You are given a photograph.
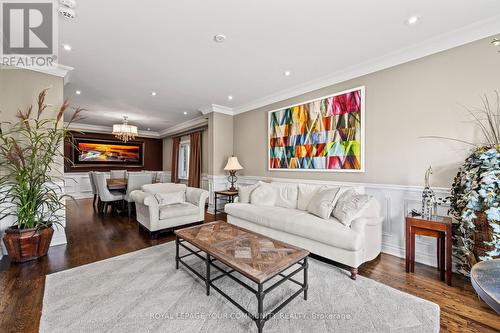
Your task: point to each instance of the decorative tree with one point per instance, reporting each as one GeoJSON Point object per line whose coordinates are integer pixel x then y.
{"type": "Point", "coordinates": [475, 195]}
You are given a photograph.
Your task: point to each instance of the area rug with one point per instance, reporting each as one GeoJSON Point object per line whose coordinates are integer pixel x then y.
{"type": "Point", "coordinates": [143, 292]}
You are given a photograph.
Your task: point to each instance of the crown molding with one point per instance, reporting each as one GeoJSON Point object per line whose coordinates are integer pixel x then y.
{"type": "Point", "coordinates": [55, 70]}
{"type": "Point", "coordinates": [217, 108]}
{"type": "Point", "coordinates": [108, 130]}
{"type": "Point", "coordinates": [187, 125]}
{"type": "Point", "coordinates": [467, 34]}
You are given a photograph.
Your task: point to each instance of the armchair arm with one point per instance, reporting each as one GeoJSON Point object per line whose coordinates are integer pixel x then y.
{"type": "Point", "coordinates": [147, 208]}
{"type": "Point", "coordinates": [197, 197]}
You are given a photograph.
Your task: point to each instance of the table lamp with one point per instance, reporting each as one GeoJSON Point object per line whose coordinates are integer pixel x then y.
{"type": "Point", "coordinates": [232, 166]}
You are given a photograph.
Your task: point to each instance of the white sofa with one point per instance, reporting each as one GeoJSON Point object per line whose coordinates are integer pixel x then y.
{"type": "Point", "coordinates": [157, 218]}
{"type": "Point", "coordinates": [331, 239]}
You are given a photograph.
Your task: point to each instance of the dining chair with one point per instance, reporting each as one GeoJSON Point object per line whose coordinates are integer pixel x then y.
{"type": "Point", "coordinates": [164, 178]}
{"type": "Point", "coordinates": [105, 195]}
{"type": "Point", "coordinates": [118, 174]}
{"type": "Point", "coordinates": [152, 174]}
{"type": "Point", "coordinates": [94, 188]}
{"type": "Point", "coordinates": [135, 182]}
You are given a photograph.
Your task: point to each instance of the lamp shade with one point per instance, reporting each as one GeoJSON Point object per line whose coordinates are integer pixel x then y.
{"type": "Point", "coordinates": [233, 164]}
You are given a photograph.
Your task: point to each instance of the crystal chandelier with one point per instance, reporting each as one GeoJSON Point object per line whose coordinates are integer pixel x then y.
{"type": "Point", "coordinates": [124, 131]}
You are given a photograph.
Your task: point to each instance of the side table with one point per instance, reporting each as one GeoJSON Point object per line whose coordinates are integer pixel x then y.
{"type": "Point", "coordinates": [438, 227]}
{"type": "Point", "coordinates": [227, 196]}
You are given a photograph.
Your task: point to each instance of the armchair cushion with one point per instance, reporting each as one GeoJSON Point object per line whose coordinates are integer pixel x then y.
{"type": "Point", "coordinates": [176, 210]}
{"type": "Point", "coordinates": [170, 198]}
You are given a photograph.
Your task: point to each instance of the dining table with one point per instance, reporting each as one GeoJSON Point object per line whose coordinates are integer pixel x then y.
{"type": "Point", "coordinates": [117, 184]}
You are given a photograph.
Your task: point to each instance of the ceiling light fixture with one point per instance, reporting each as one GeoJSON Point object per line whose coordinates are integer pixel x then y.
{"type": "Point", "coordinates": [230, 97]}
{"type": "Point", "coordinates": [67, 47]}
{"type": "Point", "coordinates": [412, 20]}
{"type": "Point", "coordinates": [124, 131]}
{"type": "Point", "coordinates": [495, 42]}
{"type": "Point", "coordinates": [287, 73]}
{"type": "Point", "coordinates": [78, 92]}
{"type": "Point", "coordinates": [185, 113]}
{"type": "Point", "coordinates": [153, 93]}
{"type": "Point", "coordinates": [219, 38]}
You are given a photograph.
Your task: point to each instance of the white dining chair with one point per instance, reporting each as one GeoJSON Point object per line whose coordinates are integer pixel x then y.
{"type": "Point", "coordinates": [135, 182]}
{"type": "Point", "coordinates": [105, 195]}
{"type": "Point", "coordinates": [114, 174]}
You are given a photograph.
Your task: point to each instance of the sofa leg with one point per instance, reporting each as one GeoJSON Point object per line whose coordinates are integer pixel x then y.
{"type": "Point", "coordinates": [354, 272]}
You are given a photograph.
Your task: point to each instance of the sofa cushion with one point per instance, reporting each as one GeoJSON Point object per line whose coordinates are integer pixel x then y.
{"type": "Point", "coordinates": [305, 194]}
{"type": "Point", "coordinates": [176, 210]}
{"type": "Point", "coordinates": [244, 192]}
{"type": "Point", "coordinates": [286, 194]}
{"type": "Point", "coordinates": [321, 203]}
{"type": "Point", "coordinates": [163, 188]}
{"type": "Point", "coordinates": [264, 195]}
{"type": "Point", "coordinates": [300, 223]}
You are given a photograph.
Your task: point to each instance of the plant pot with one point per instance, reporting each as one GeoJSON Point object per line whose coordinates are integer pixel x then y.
{"type": "Point", "coordinates": [27, 244]}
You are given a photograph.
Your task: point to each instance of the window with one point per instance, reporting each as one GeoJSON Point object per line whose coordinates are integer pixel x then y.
{"type": "Point", "coordinates": [184, 160]}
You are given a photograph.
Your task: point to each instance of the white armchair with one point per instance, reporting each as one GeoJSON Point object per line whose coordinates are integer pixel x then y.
{"type": "Point", "coordinates": [156, 218]}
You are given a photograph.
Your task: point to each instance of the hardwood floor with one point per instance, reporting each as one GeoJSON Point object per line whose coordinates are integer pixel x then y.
{"type": "Point", "coordinates": [92, 238]}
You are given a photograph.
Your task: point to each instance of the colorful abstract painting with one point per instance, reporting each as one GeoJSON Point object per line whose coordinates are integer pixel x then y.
{"type": "Point", "coordinates": [321, 135]}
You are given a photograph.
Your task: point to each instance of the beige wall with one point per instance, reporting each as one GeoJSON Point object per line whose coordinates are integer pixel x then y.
{"type": "Point", "coordinates": [167, 153]}
{"type": "Point", "coordinates": [222, 127]}
{"type": "Point", "coordinates": [19, 88]}
{"type": "Point", "coordinates": [421, 98]}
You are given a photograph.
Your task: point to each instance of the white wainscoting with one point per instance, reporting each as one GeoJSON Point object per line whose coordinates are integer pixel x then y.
{"type": "Point", "coordinates": [77, 184]}
{"type": "Point", "coordinates": [59, 237]}
{"type": "Point", "coordinates": [396, 201]}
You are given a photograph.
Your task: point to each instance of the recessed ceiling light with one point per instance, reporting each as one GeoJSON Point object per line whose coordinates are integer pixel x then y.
{"type": "Point", "coordinates": [287, 73]}
{"type": "Point", "coordinates": [230, 97]}
{"type": "Point", "coordinates": [495, 42]}
{"type": "Point", "coordinates": [67, 47]}
{"type": "Point", "coordinates": [153, 93]}
{"type": "Point", "coordinates": [149, 129]}
{"type": "Point", "coordinates": [219, 38]}
{"type": "Point", "coordinates": [412, 20]}
{"type": "Point", "coordinates": [78, 92]}
{"type": "Point", "coordinates": [185, 113]}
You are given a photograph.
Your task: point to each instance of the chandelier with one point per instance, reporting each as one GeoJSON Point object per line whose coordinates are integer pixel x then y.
{"type": "Point", "coordinates": [124, 131]}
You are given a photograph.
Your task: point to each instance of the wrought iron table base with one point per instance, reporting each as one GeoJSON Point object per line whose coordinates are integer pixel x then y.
{"type": "Point", "coordinates": [261, 318]}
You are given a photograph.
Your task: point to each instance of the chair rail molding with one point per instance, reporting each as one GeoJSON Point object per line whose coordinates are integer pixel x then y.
{"type": "Point", "coordinates": [396, 201]}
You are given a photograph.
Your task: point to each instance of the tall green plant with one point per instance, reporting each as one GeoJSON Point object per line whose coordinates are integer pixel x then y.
{"type": "Point", "coordinates": [31, 150]}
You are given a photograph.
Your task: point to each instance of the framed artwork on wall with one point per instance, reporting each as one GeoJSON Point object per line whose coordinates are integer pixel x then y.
{"type": "Point", "coordinates": [324, 134]}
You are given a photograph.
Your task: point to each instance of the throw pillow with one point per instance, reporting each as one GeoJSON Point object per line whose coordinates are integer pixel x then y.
{"type": "Point", "coordinates": [244, 192]}
{"type": "Point", "coordinates": [263, 195]}
{"type": "Point", "coordinates": [321, 203]}
{"type": "Point", "coordinates": [306, 192]}
{"type": "Point", "coordinates": [170, 198]}
{"type": "Point", "coordinates": [349, 206]}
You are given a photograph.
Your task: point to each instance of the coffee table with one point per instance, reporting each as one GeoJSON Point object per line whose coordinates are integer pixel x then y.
{"type": "Point", "coordinates": [257, 257]}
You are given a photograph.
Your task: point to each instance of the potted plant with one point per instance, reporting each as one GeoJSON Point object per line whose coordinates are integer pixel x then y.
{"type": "Point", "coordinates": [30, 151]}
{"type": "Point", "coordinates": [475, 194]}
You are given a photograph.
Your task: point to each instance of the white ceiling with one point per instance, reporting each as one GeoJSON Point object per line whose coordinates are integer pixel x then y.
{"type": "Point", "coordinates": [123, 50]}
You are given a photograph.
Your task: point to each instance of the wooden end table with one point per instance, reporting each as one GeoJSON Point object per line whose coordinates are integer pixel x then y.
{"type": "Point", "coordinates": [438, 227]}
{"type": "Point", "coordinates": [227, 196]}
